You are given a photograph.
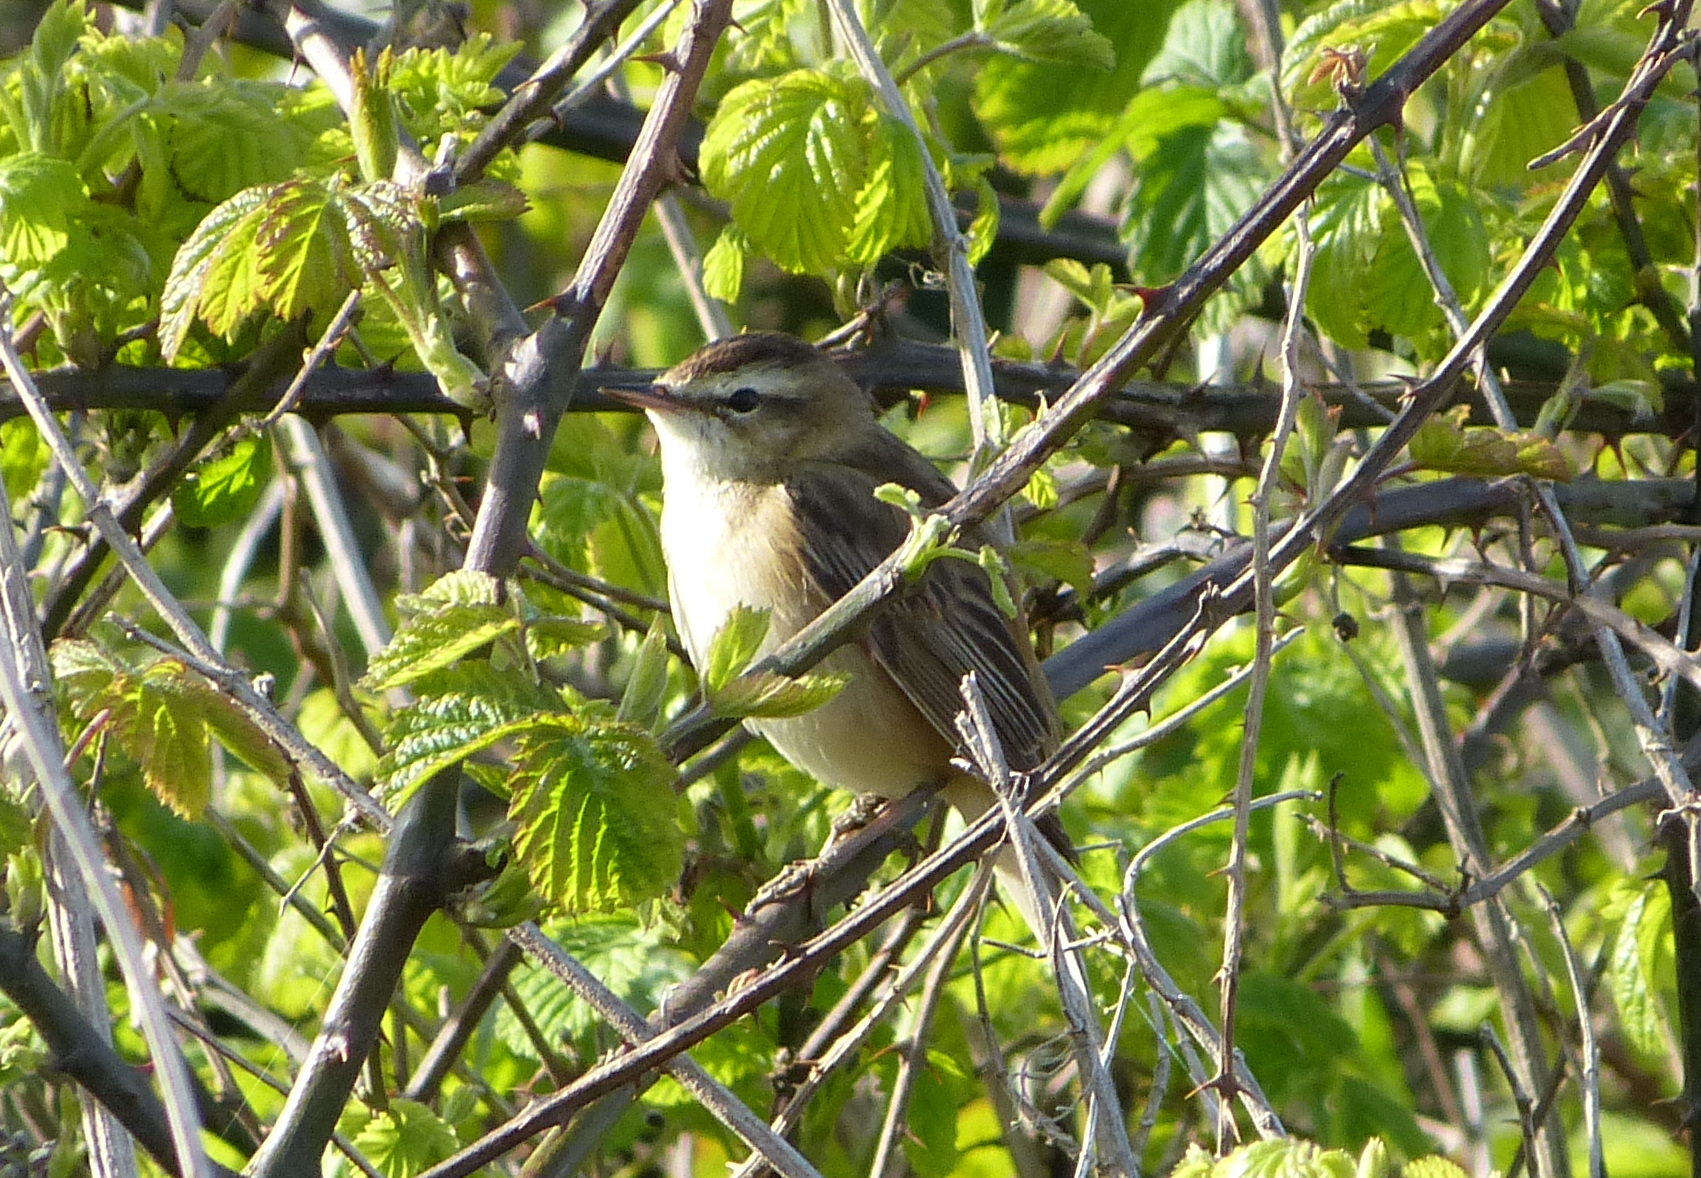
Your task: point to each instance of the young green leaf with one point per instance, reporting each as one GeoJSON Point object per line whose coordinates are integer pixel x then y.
{"type": "Point", "coordinates": [1635, 988]}
{"type": "Point", "coordinates": [641, 702]}
{"type": "Point", "coordinates": [224, 488]}
{"type": "Point", "coordinates": [40, 197]}
{"type": "Point", "coordinates": [305, 256]}
{"type": "Point", "coordinates": [734, 646]}
{"type": "Point", "coordinates": [550, 636]}
{"type": "Point", "coordinates": [372, 117]}
{"type": "Point", "coordinates": [998, 576]}
{"type": "Point", "coordinates": [597, 816]}
{"type": "Point", "coordinates": [891, 208]}
{"type": "Point", "coordinates": [904, 498]}
{"type": "Point", "coordinates": [154, 713]}
{"type": "Point", "coordinates": [1044, 31]}
{"type": "Point", "coordinates": [406, 1138]}
{"type": "Point", "coordinates": [430, 642]}
{"type": "Point", "coordinates": [1444, 443]}
{"type": "Point", "coordinates": [17, 826]}
{"type": "Point", "coordinates": [790, 154]}
{"type": "Point", "coordinates": [457, 713]}
{"type": "Point", "coordinates": [23, 457]}
{"type": "Point", "coordinates": [723, 265]}
{"type": "Point", "coordinates": [190, 283]}
{"type": "Point", "coordinates": [774, 697]}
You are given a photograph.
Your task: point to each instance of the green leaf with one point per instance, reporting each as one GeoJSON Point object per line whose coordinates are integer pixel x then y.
{"type": "Point", "coordinates": [789, 154]}
{"type": "Point", "coordinates": [457, 713]}
{"type": "Point", "coordinates": [1444, 443]}
{"type": "Point", "coordinates": [891, 209]}
{"type": "Point", "coordinates": [305, 255]}
{"type": "Point", "coordinates": [1385, 31]}
{"type": "Point", "coordinates": [372, 117]}
{"type": "Point", "coordinates": [225, 234]}
{"type": "Point", "coordinates": [457, 587]}
{"type": "Point", "coordinates": [770, 696]}
{"type": "Point", "coordinates": [1204, 46]}
{"type": "Point", "coordinates": [41, 81]}
{"type": "Point", "coordinates": [487, 200]}
{"type": "Point", "coordinates": [456, 615]}
{"type": "Point", "coordinates": [226, 488]}
{"type": "Point", "coordinates": [997, 572]}
{"type": "Point", "coordinates": [646, 689]}
{"type": "Point", "coordinates": [1152, 115]}
{"type": "Point", "coordinates": [1042, 118]}
{"type": "Point", "coordinates": [1347, 228]}
{"type": "Point", "coordinates": [1068, 561]}
{"type": "Point", "coordinates": [1525, 117]}
{"type": "Point", "coordinates": [1284, 1158]}
{"type": "Point", "coordinates": [735, 644]}
{"type": "Point", "coordinates": [1432, 1167]}
{"type": "Point", "coordinates": [631, 957]}
{"type": "Point", "coordinates": [40, 197]}
{"type": "Point", "coordinates": [240, 735]}
{"type": "Point", "coordinates": [1634, 990]}
{"type": "Point", "coordinates": [23, 458]}
{"type": "Point", "coordinates": [723, 265]}
{"type": "Point", "coordinates": [551, 635]}
{"type": "Point", "coordinates": [430, 642]}
{"type": "Point", "coordinates": [17, 825]}
{"type": "Point", "coordinates": [405, 1139]}
{"type": "Point", "coordinates": [1188, 192]}
{"type": "Point", "coordinates": [226, 135]}
{"type": "Point", "coordinates": [156, 714]}
{"type": "Point", "coordinates": [444, 90]}
{"type": "Point", "coordinates": [597, 816]}
{"type": "Point", "coordinates": [942, 1088]}
{"type": "Point", "coordinates": [1044, 31]}
{"type": "Point", "coordinates": [905, 499]}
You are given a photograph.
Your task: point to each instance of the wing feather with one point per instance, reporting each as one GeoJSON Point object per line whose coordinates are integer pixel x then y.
{"type": "Point", "coordinates": [945, 626]}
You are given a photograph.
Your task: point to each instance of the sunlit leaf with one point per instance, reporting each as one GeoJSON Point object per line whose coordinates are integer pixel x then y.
{"type": "Point", "coordinates": [596, 814]}
{"type": "Point", "coordinates": [458, 712]}
{"type": "Point", "coordinates": [790, 155]}
{"type": "Point", "coordinates": [771, 696]}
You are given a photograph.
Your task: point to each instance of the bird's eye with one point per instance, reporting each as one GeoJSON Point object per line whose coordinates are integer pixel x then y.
{"type": "Point", "coordinates": [743, 400]}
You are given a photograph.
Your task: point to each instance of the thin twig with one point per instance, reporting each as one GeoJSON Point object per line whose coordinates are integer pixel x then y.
{"type": "Point", "coordinates": [32, 717]}
{"type": "Point", "coordinates": [968, 321]}
{"type": "Point", "coordinates": [912, 1055]}
{"type": "Point", "coordinates": [1591, 1072]}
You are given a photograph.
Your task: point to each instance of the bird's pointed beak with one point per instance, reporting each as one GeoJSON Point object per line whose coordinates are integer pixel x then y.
{"type": "Point", "coordinates": [645, 395]}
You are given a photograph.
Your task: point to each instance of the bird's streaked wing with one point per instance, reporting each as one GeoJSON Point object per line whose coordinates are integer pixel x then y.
{"type": "Point", "coordinates": [942, 628]}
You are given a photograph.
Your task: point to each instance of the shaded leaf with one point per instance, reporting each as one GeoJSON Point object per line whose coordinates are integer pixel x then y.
{"type": "Point", "coordinates": [405, 1139]}
{"type": "Point", "coordinates": [1445, 443]}
{"type": "Point", "coordinates": [225, 488]}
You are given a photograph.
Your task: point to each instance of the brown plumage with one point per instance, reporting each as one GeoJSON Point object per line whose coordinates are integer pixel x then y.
{"type": "Point", "coordinates": [771, 456]}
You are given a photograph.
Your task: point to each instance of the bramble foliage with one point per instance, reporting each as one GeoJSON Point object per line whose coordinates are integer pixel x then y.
{"type": "Point", "coordinates": [170, 214]}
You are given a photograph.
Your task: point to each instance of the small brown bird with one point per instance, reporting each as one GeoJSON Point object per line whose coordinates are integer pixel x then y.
{"type": "Point", "coordinates": [770, 457]}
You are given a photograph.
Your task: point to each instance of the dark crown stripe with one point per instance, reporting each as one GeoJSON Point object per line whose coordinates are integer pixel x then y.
{"type": "Point", "coordinates": [741, 351]}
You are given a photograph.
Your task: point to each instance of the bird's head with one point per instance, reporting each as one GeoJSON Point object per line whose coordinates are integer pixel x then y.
{"type": "Point", "coordinates": [746, 407]}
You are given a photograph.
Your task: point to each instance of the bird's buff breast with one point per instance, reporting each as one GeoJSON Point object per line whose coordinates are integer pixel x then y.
{"type": "Point", "coordinates": [734, 544]}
